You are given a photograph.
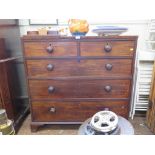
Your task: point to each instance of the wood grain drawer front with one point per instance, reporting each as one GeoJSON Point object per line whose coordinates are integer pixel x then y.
{"type": "Point", "coordinates": [37, 49]}
{"type": "Point", "coordinates": [52, 68]}
{"type": "Point", "coordinates": [65, 68]}
{"type": "Point", "coordinates": [74, 111]}
{"type": "Point", "coordinates": [110, 48]}
{"type": "Point", "coordinates": [80, 88]}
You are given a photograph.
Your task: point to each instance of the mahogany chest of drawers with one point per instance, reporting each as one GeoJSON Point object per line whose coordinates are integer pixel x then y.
{"type": "Point", "coordinates": [71, 79]}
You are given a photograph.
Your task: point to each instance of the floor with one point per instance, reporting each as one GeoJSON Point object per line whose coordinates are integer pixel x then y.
{"type": "Point", "coordinates": [138, 124]}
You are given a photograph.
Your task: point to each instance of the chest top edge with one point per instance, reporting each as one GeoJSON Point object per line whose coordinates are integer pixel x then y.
{"type": "Point", "coordinates": [27, 38]}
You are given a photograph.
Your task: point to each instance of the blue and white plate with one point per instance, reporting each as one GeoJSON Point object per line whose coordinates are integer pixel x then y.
{"type": "Point", "coordinates": [109, 30]}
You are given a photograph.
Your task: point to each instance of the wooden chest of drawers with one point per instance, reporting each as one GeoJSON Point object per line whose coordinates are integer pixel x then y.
{"type": "Point", "coordinates": [71, 79]}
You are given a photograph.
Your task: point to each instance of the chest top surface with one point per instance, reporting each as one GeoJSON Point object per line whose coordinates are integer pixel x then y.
{"type": "Point", "coordinates": [71, 38]}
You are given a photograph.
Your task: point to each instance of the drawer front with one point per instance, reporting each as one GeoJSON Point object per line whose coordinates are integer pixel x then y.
{"type": "Point", "coordinates": [64, 68]}
{"type": "Point", "coordinates": [74, 111]}
{"type": "Point", "coordinates": [111, 48]}
{"type": "Point", "coordinates": [80, 88]}
{"type": "Point", "coordinates": [37, 49]}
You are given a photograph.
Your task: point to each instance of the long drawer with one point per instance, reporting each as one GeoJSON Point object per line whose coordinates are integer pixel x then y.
{"type": "Point", "coordinates": [74, 111]}
{"type": "Point", "coordinates": [79, 88]}
{"type": "Point", "coordinates": [37, 49]}
{"type": "Point", "coordinates": [110, 48]}
{"type": "Point", "coordinates": [65, 68]}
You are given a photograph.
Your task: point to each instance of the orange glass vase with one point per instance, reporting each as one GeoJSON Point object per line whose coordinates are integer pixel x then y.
{"type": "Point", "coordinates": [78, 27]}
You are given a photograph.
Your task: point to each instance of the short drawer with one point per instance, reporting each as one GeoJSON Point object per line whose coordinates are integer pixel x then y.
{"type": "Point", "coordinates": [74, 111]}
{"type": "Point", "coordinates": [65, 68]}
{"type": "Point", "coordinates": [78, 88]}
{"type": "Point", "coordinates": [110, 48]}
{"type": "Point", "coordinates": [38, 49]}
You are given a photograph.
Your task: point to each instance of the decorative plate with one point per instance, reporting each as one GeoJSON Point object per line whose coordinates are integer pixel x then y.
{"type": "Point", "coordinates": [109, 30]}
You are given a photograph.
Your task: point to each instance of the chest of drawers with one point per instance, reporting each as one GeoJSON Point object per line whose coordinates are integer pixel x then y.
{"type": "Point", "coordinates": [71, 79]}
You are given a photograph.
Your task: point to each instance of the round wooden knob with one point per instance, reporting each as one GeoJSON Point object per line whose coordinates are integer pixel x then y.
{"type": "Point", "coordinates": [50, 67]}
{"type": "Point", "coordinates": [107, 88]}
{"type": "Point", "coordinates": [107, 48]}
{"type": "Point", "coordinates": [49, 49]}
{"type": "Point", "coordinates": [108, 67]}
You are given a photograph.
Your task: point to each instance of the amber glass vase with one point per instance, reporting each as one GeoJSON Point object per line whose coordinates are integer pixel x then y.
{"type": "Point", "coordinates": [78, 27]}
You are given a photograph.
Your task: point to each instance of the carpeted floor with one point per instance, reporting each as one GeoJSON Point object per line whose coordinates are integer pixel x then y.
{"type": "Point", "coordinates": [138, 124]}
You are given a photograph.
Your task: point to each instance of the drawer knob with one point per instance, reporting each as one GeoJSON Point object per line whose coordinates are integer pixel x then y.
{"type": "Point", "coordinates": [50, 67]}
{"type": "Point", "coordinates": [108, 88]}
{"type": "Point", "coordinates": [49, 49]}
{"type": "Point", "coordinates": [107, 48]}
{"type": "Point", "coordinates": [52, 110]}
{"type": "Point", "coordinates": [51, 89]}
{"type": "Point", "coordinates": [108, 67]}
